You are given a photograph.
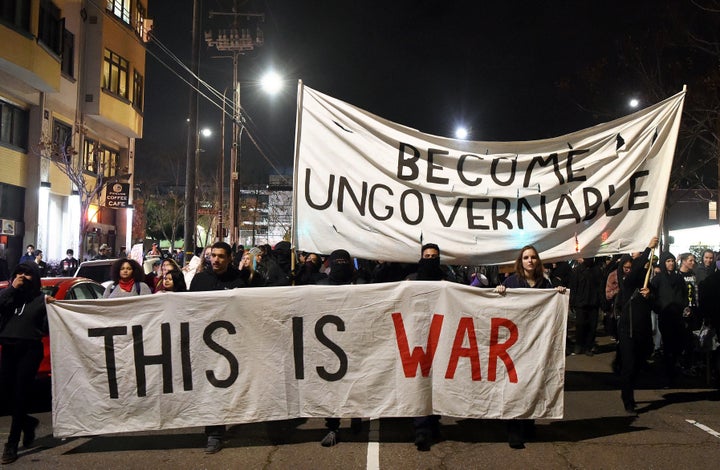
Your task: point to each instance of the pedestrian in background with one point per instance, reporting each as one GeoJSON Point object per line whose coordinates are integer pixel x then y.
{"type": "Point", "coordinates": [70, 264]}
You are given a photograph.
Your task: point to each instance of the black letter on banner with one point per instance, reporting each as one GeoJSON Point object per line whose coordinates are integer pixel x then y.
{"type": "Point", "coordinates": [324, 205]}
{"type": "Point", "coordinates": [432, 166]}
{"type": "Point", "coordinates": [421, 209]}
{"type": "Point", "coordinates": [522, 202]}
{"type": "Point", "coordinates": [500, 217]}
{"type": "Point", "coordinates": [591, 209]}
{"type": "Point", "coordinates": [461, 164]}
{"type": "Point", "coordinates": [408, 162]}
{"type": "Point", "coordinates": [573, 215]}
{"type": "Point", "coordinates": [185, 356]}
{"type": "Point", "coordinates": [232, 360]}
{"type": "Point", "coordinates": [141, 360]}
{"type": "Point", "coordinates": [609, 210]}
{"type": "Point", "coordinates": [471, 217]}
{"type": "Point", "coordinates": [553, 157]}
{"type": "Point", "coordinates": [633, 194]}
{"type": "Point", "coordinates": [337, 321]}
{"type": "Point", "coordinates": [570, 176]}
{"type": "Point", "coordinates": [446, 223]}
{"type": "Point", "coordinates": [298, 347]}
{"type": "Point", "coordinates": [343, 186]}
{"type": "Point", "coordinates": [494, 169]}
{"type": "Point", "coordinates": [108, 334]}
{"type": "Point", "coordinates": [371, 202]}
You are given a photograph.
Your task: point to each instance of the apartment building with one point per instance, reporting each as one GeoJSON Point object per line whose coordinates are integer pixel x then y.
{"type": "Point", "coordinates": [72, 78]}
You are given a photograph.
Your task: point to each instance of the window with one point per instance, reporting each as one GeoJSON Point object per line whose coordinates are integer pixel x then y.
{"type": "Point", "coordinates": [96, 157]}
{"type": "Point", "coordinates": [68, 53]}
{"type": "Point", "coordinates": [16, 13]}
{"type": "Point", "coordinates": [62, 137]}
{"type": "Point", "coordinates": [140, 20]}
{"type": "Point", "coordinates": [115, 74]}
{"type": "Point", "coordinates": [50, 26]}
{"type": "Point", "coordinates": [138, 91]}
{"type": "Point", "coordinates": [120, 8]}
{"type": "Point", "coordinates": [13, 125]}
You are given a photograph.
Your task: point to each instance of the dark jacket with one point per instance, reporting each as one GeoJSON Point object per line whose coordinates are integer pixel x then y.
{"type": "Point", "coordinates": [515, 282]}
{"type": "Point", "coordinates": [668, 290]}
{"type": "Point", "coordinates": [22, 311]}
{"type": "Point", "coordinates": [208, 280]}
{"type": "Point", "coordinates": [586, 285]}
{"type": "Point", "coordinates": [635, 321]}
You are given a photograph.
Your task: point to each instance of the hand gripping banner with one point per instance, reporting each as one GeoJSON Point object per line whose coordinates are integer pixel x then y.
{"type": "Point", "coordinates": [380, 190]}
{"type": "Point", "coordinates": [247, 355]}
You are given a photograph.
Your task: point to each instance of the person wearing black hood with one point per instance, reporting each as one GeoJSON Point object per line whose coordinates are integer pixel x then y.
{"type": "Point", "coordinates": [23, 323]}
{"type": "Point", "coordinates": [670, 301]}
{"type": "Point", "coordinates": [634, 324]}
{"type": "Point", "coordinates": [586, 291]}
{"type": "Point", "coordinates": [342, 272]}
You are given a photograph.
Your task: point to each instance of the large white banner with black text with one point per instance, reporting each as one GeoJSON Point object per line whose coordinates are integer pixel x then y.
{"type": "Point", "coordinates": [247, 355]}
{"type": "Point", "coordinates": [380, 190]}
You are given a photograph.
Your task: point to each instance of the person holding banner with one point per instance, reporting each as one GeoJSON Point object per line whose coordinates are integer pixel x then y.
{"type": "Point", "coordinates": [23, 323]}
{"type": "Point", "coordinates": [128, 279]}
{"type": "Point", "coordinates": [635, 342]}
{"type": "Point", "coordinates": [222, 276]}
{"type": "Point", "coordinates": [529, 273]}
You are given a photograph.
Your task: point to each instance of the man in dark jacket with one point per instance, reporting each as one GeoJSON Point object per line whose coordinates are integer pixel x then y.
{"type": "Point", "coordinates": [23, 322]}
{"type": "Point", "coordinates": [586, 291]}
{"type": "Point", "coordinates": [222, 276]}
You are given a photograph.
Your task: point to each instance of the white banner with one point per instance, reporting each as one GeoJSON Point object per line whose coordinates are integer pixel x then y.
{"type": "Point", "coordinates": [380, 190]}
{"type": "Point", "coordinates": [247, 355]}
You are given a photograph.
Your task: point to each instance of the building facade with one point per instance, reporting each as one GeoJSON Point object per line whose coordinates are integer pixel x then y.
{"type": "Point", "coordinates": [71, 89]}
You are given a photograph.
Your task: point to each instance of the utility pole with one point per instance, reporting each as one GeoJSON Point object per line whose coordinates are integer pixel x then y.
{"type": "Point", "coordinates": [192, 142]}
{"type": "Point", "coordinates": [236, 40]}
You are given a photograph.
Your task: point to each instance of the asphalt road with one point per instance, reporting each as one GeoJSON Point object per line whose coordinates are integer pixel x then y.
{"type": "Point", "coordinates": [673, 430]}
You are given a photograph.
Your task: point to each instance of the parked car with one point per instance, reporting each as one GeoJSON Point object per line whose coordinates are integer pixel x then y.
{"type": "Point", "coordinates": [98, 270]}
{"type": "Point", "coordinates": [63, 288]}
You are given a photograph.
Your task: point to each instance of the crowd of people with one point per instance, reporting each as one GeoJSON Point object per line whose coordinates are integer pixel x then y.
{"type": "Point", "coordinates": [649, 305]}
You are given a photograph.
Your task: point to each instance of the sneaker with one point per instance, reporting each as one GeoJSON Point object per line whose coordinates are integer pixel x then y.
{"type": "Point", "coordinates": [330, 439]}
{"type": "Point", "coordinates": [29, 432]}
{"type": "Point", "coordinates": [422, 441]}
{"type": "Point", "coordinates": [214, 445]}
{"type": "Point", "coordinates": [9, 455]}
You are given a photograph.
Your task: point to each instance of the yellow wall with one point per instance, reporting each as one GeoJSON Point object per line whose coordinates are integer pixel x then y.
{"type": "Point", "coordinates": [60, 183]}
{"type": "Point", "coordinates": [27, 54]}
{"type": "Point", "coordinates": [14, 166]}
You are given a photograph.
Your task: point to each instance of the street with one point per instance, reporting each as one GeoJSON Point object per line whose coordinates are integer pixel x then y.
{"type": "Point", "coordinates": [674, 429]}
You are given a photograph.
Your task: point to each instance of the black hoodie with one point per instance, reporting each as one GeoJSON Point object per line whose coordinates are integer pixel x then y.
{"type": "Point", "coordinates": [23, 315]}
{"type": "Point", "coordinates": [669, 289]}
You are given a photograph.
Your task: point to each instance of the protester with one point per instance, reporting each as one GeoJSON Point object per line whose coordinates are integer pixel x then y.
{"type": "Point", "coordinates": [342, 272]}
{"type": "Point", "coordinates": [154, 251]}
{"type": "Point", "coordinates": [23, 320]}
{"type": "Point", "coordinates": [427, 428]}
{"type": "Point", "coordinates": [309, 271]}
{"type": "Point", "coordinates": [173, 281]}
{"type": "Point", "coordinates": [586, 291]}
{"type": "Point", "coordinates": [528, 274]}
{"type": "Point", "coordinates": [221, 276]}
{"type": "Point", "coordinates": [167, 265]}
{"type": "Point", "coordinates": [248, 268]}
{"type": "Point", "coordinates": [634, 325]}
{"type": "Point", "coordinates": [128, 280]}
{"type": "Point", "coordinates": [706, 267]}
{"type": "Point", "coordinates": [154, 277]}
{"type": "Point", "coordinates": [70, 264]}
{"type": "Point", "coordinates": [669, 302]}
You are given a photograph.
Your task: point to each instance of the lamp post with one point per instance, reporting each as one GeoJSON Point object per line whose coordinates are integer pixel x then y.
{"type": "Point", "coordinates": [205, 133]}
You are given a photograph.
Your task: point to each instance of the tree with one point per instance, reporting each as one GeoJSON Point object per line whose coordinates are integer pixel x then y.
{"type": "Point", "coordinates": [165, 212]}
{"type": "Point", "coordinates": [89, 186]}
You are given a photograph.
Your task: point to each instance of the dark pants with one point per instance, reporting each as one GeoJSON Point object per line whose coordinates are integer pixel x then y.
{"type": "Point", "coordinates": [215, 431]}
{"type": "Point", "coordinates": [333, 424]}
{"type": "Point", "coordinates": [586, 319]}
{"type": "Point", "coordinates": [18, 367]}
{"type": "Point", "coordinates": [429, 425]}
{"type": "Point", "coordinates": [672, 330]}
{"type": "Point", "coordinates": [633, 352]}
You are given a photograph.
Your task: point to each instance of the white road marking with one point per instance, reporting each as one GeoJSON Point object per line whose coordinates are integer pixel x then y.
{"type": "Point", "coordinates": [708, 430]}
{"type": "Point", "coordinates": [373, 452]}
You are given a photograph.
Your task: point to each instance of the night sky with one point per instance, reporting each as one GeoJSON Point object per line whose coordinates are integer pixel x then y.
{"type": "Point", "coordinates": [508, 70]}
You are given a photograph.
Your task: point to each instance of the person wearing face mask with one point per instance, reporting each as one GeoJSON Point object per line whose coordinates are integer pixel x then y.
{"type": "Point", "coordinates": [309, 271]}
{"type": "Point", "coordinates": [342, 272]}
{"type": "Point", "coordinates": [23, 323]}
{"type": "Point", "coordinates": [429, 268]}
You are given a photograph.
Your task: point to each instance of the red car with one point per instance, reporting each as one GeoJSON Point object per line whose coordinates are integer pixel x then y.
{"type": "Point", "coordinates": [63, 288]}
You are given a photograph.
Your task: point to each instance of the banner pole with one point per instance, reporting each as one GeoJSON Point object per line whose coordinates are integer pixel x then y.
{"type": "Point", "coordinates": [298, 128]}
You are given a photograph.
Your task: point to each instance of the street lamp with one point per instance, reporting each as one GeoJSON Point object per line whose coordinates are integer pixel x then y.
{"type": "Point", "coordinates": [193, 210]}
{"type": "Point", "coordinates": [271, 82]}
{"type": "Point", "coordinates": [634, 103]}
{"type": "Point", "coordinates": [461, 132]}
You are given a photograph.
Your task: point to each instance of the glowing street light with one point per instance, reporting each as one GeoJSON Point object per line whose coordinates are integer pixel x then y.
{"type": "Point", "coordinates": [461, 132]}
{"type": "Point", "coordinates": [271, 82]}
{"type": "Point", "coordinates": [634, 103]}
